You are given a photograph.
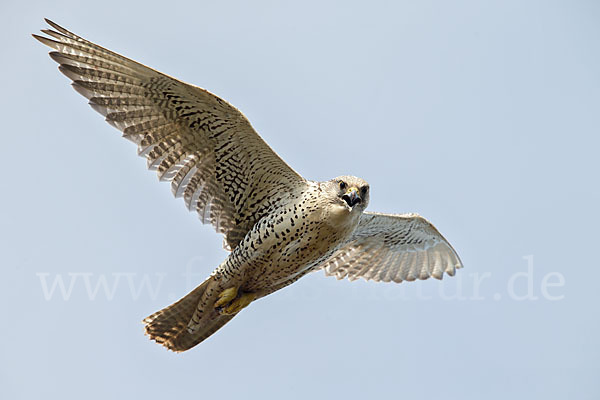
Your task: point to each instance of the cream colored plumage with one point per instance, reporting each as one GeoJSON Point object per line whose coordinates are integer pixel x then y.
{"type": "Point", "coordinates": [277, 225]}
{"type": "Point", "coordinates": [393, 248]}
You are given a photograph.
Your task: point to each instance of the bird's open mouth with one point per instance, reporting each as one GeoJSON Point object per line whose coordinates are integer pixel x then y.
{"type": "Point", "coordinates": [351, 197]}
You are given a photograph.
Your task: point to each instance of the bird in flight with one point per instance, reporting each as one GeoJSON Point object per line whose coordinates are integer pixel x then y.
{"type": "Point", "coordinates": [277, 225]}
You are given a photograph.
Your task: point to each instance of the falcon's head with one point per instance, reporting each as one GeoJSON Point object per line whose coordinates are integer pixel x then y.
{"type": "Point", "coordinates": [350, 192]}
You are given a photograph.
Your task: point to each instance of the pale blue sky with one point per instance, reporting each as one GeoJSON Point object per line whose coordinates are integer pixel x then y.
{"type": "Point", "coordinates": [480, 115]}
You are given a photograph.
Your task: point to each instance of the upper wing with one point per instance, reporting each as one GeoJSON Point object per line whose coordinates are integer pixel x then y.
{"type": "Point", "coordinates": [199, 142]}
{"type": "Point", "coordinates": [397, 248]}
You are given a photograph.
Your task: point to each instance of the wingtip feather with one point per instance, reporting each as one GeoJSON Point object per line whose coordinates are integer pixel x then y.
{"type": "Point", "coordinates": [88, 94]}
{"type": "Point", "coordinates": [69, 72]}
{"type": "Point", "coordinates": [57, 27]}
{"type": "Point", "coordinates": [57, 57]}
{"type": "Point", "coordinates": [42, 39]}
{"type": "Point", "coordinates": [98, 108]}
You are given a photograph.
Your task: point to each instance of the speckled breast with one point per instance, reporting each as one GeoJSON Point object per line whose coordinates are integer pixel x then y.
{"type": "Point", "coordinates": [286, 244]}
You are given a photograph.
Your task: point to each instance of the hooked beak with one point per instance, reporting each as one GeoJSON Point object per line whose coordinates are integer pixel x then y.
{"type": "Point", "coordinates": [351, 197]}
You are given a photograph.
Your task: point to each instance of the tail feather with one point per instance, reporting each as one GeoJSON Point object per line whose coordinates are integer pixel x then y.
{"type": "Point", "coordinates": [169, 326]}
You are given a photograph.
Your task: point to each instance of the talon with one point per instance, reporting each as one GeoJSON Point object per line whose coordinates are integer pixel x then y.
{"type": "Point", "coordinates": [226, 296]}
{"type": "Point", "coordinates": [238, 304]}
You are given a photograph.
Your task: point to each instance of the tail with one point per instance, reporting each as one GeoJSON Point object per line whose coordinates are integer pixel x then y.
{"type": "Point", "coordinates": [169, 326]}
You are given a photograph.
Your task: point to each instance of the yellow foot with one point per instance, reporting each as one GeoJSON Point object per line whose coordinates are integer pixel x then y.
{"type": "Point", "coordinates": [226, 296]}
{"type": "Point", "coordinates": [238, 304]}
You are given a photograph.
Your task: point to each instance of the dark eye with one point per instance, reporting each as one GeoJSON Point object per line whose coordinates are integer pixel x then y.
{"type": "Point", "coordinates": [342, 185]}
{"type": "Point", "coordinates": [364, 190]}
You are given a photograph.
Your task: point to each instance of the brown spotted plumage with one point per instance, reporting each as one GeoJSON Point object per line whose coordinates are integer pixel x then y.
{"type": "Point", "coordinates": [277, 225]}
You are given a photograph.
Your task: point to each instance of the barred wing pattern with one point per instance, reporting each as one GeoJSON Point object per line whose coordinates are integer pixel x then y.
{"type": "Point", "coordinates": [203, 145]}
{"type": "Point", "coordinates": [386, 247]}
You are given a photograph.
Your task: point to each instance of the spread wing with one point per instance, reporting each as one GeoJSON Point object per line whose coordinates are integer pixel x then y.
{"type": "Point", "coordinates": [204, 146]}
{"type": "Point", "coordinates": [396, 248]}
